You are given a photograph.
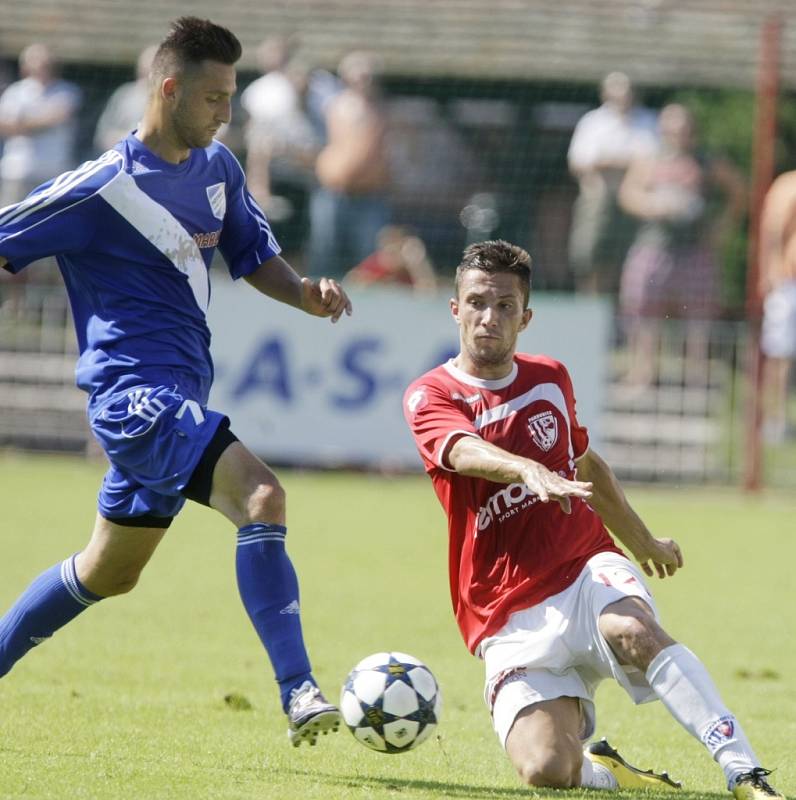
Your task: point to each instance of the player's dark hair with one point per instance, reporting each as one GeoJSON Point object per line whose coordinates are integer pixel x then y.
{"type": "Point", "coordinates": [497, 256]}
{"type": "Point", "coordinates": [190, 42]}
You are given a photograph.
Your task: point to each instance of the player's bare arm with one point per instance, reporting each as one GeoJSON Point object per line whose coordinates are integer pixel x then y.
{"type": "Point", "coordinates": [320, 298]}
{"type": "Point", "coordinates": [478, 458]}
{"type": "Point", "coordinates": [610, 502]}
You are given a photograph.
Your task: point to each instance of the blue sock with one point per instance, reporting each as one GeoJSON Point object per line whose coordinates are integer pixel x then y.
{"type": "Point", "coordinates": [269, 589]}
{"type": "Point", "coordinates": [53, 599]}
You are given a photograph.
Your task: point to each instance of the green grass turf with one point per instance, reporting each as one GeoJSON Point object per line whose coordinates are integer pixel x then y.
{"type": "Point", "coordinates": [128, 701]}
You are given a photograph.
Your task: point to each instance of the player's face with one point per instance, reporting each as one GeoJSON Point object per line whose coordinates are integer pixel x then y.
{"type": "Point", "coordinates": [203, 103]}
{"type": "Point", "coordinates": [490, 311]}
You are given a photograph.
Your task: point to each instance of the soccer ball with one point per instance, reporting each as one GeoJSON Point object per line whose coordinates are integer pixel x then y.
{"type": "Point", "coordinates": [391, 702]}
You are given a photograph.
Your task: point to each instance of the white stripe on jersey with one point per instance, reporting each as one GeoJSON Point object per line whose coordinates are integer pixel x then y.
{"type": "Point", "coordinates": [159, 227]}
{"type": "Point", "coordinates": [262, 221]}
{"type": "Point", "coordinates": [60, 186]}
{"type": "Point", "coordinates": [251, 204]}
{"type": "Point", "coordinates": [550, 392]}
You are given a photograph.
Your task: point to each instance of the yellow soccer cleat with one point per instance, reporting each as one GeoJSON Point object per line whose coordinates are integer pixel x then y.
{"type": "Point", "coordinates": [754, 786]}
{"type": "Point", "coordinates": [627, 776]}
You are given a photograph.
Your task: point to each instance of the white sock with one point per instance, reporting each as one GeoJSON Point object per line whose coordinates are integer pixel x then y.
{"type": "Point", "coordinates": [683, 685]}
{"type": "Point", "coordinates": [596, 776]}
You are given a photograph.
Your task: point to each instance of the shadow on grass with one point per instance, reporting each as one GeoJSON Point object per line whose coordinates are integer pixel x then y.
{"type": "Point", "coordinates": [463, 790]}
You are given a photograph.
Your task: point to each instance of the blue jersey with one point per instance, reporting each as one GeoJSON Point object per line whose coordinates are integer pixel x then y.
{"type": "Point", "coordinates": [134, 237]}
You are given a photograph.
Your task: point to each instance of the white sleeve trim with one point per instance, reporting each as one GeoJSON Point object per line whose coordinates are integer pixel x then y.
{"type": "Point", "coordinates": [441, 449]}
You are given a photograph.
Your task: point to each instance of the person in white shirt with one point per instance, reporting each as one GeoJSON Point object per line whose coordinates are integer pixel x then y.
{"type": "Point", "coordinates": [282, 142]}
{"type": "Point", "coordinates": [38, 126]}
{"type": "Point", "coordinates": [38, 123]}
{"type": "Point", "coordinates": [604, 142]}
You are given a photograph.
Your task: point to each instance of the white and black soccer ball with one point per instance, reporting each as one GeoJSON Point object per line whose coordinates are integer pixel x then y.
{"type": "Point", "coordinates": [391, 702]}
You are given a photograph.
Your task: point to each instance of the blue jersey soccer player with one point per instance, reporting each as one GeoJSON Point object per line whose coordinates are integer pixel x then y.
{"type": "Point", "coordinates": [134, 233]}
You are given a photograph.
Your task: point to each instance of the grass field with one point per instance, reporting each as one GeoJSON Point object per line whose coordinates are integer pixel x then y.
{"type": "Point", "coordinates": [128, 702]}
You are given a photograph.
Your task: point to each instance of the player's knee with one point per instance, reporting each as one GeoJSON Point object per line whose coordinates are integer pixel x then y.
{"type": "Point", "coordinates": [123, 584]}
{"type": "Point", "coordinates": [635, 638]}
{"type": "Point", "coordinates": [267, 502]}
{"type": "Point", "coordinates": [622, 631]}
{"type": "Point", "coordinates": [110, 584]}
{"type": "Point", "coordinates": [551, 769]}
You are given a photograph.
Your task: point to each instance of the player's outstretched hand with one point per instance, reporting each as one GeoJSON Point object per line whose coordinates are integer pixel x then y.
{"type": "Point", "coordinates": [324, 298]}
{"type": "Point", "coordinates": [665, 557]}
{"type": "Point", "coordinates": [548, 485]}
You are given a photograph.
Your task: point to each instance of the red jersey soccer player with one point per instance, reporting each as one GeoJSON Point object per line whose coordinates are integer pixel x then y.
{"type": "Point", "coordinates": [540, 590]}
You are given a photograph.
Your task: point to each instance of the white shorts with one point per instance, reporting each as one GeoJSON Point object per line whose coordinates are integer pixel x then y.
{"type": "Point", "coordinates": [555, 649]}
{"type": "Point", "coordinates": [778, 335]}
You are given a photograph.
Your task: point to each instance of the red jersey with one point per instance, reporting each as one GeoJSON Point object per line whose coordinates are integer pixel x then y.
{"type": "Point", "coordinates": [507, 550]}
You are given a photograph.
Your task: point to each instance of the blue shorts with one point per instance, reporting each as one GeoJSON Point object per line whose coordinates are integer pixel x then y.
{"type": "Point", "coordinates": [154, 437]}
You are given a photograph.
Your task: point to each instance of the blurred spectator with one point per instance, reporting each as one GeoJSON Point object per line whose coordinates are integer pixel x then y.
{"type": "Point", "coordinates": [434, 171]}
{"type": "Point", "coordinates": [778, 287]}
{"type": "Point", "coordinates": [322, 87]}
{"type": "Point", "coordinates": [38, 125]}
{"type": "Point", "coordinates": [603, 144]}
{"type": "Point", "coordinates": [349, 207]}
{"type": "Point", "coordinates": [401, 258]}
{"type": "Point", "coordinates": [125, 106]}
{"type": "Point", "coordinates": [282, 142]}
{"type": "Point", "coordinates": [671, 269]}
{"type": "Point", "coordinates": [6, 79]}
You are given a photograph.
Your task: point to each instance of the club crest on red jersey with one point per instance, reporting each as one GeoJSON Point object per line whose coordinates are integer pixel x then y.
{"type": "Point", "coordinates": [544, 429]}
{"type": "Point", "coordinates": [417, 400]}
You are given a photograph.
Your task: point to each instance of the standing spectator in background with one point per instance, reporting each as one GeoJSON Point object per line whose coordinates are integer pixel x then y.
{"type": "Point", "coordinates": [603, 144]}
{"type": "Point", "coordinates": [281, 141]}
{"type": "Point", "coordinates": [401, 259]}
{"type": "Point", "coordinates": [125, 107]}
{"type": "Point", "coordinates": [778, 287]}
{"type": "Point", "coordinates": [672, 267]}
{"type": "Point", "coordinates": [38, 122]}
{"type": "Point", "coordinates": [350, 207]}
{"type": "Point", "coordinates": [38, 126]}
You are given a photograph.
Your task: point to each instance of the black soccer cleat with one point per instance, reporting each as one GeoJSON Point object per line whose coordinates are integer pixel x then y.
{"type": "Point", "coordinates": [754, 786]}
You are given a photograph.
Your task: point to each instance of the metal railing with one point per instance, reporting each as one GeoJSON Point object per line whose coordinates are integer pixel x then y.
{"type": "Point", "coordinates": [684, 423]}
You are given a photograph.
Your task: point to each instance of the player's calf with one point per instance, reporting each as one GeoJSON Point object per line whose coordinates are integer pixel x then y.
{"type": "Point", "coordinates": [54, 598]}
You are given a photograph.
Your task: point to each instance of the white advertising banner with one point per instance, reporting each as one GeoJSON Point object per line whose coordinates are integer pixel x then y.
{"type": "Point", "coordinates": [301, 390]}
